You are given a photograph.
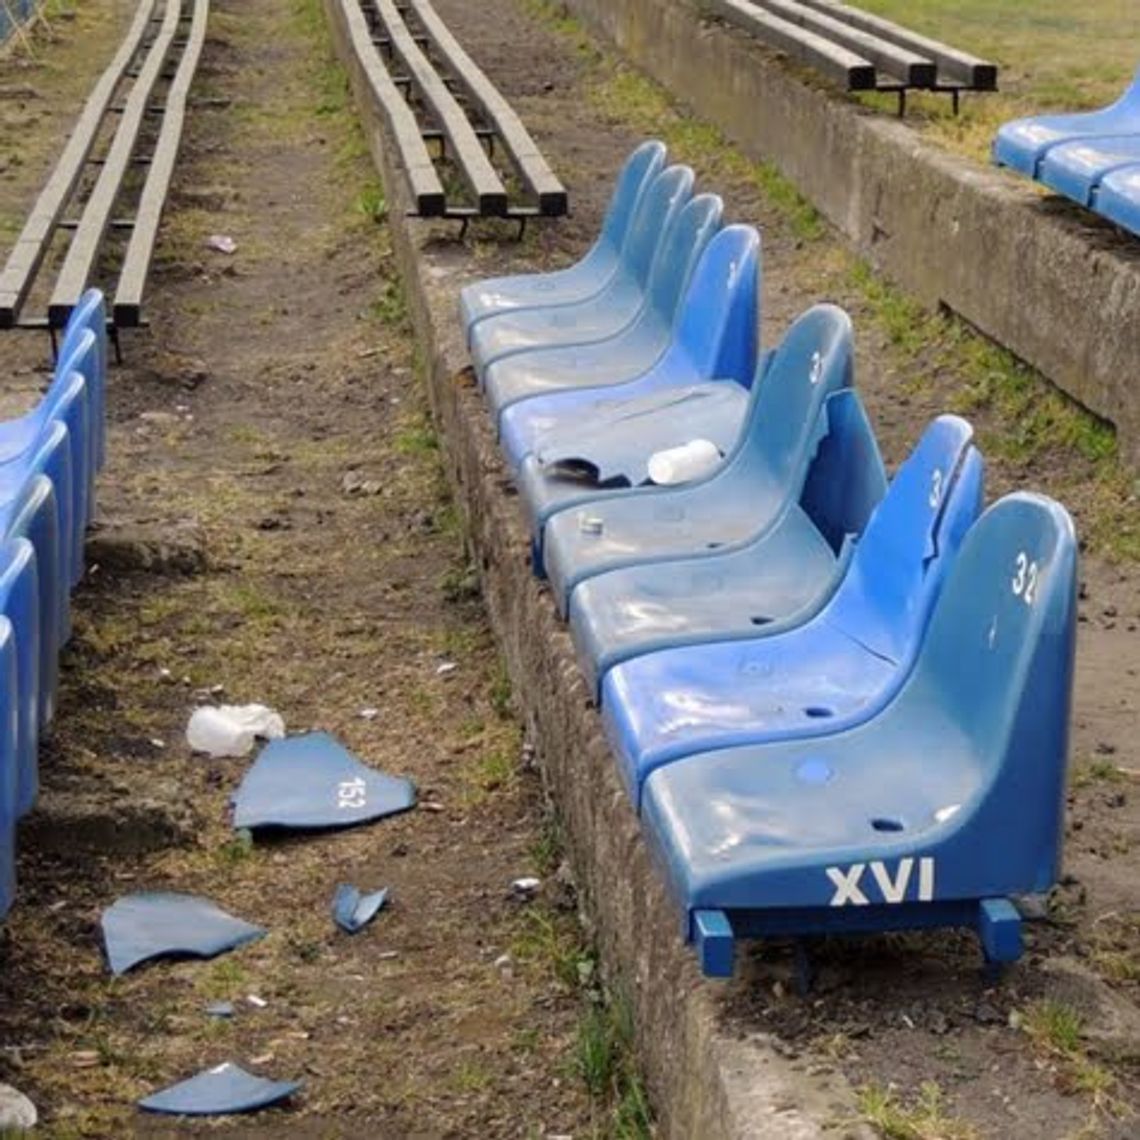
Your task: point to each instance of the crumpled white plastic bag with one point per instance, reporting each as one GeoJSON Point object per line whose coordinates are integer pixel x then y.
{"type": "Point", "coordinates": [230, 730]}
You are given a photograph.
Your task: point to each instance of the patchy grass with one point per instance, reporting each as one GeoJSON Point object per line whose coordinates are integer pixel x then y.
{"type": "Point", "coordinates": [1054, 1026]}
{"type": "Point", "coordinates": [923, 1118]}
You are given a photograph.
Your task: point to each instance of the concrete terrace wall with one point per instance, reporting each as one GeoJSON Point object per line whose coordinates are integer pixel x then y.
{"type": "Point", "coordinates": [706, 1080]}
{"type": "Point", "coordinates": [1062, 294]}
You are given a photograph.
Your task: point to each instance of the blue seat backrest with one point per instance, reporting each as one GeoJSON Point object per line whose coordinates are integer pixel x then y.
{"type": "Point", "coordinates": [911, 541]}
{"type": "Point", "coordinates": [785, 413]}
{"type": "Point", "coordinates": [719, 322]}
{"type": "Point", "coordinates": [642, 166]}
{"type": "Point", "coordinates": [89, 314]}
{"type": "Point", "coordinates": [680, 250]}
{"type": "Point", "coordinates": [79, 353]}
{"type": "Point", "coordinates": [846, 479]}
{"type": "Point", "coordinates": [663, 199]}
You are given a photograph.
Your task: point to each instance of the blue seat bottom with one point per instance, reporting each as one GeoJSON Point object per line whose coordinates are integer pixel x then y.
{"type": "Point", "coordinates": [666, 705]}
{"type": "Point", "coordinates": [1118, 198]}
{"type": "Point", "coordinates": [1076, 168]}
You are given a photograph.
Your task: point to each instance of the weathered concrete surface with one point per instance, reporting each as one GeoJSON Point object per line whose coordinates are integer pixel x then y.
{"type": "Point", "coordinates": [1058, 288]}
{"type": "Point", "coordinates": [705, 1081]}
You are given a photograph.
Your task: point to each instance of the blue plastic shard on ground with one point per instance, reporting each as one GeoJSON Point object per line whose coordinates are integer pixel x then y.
{"type": "Point", "coordinates": [313, 781]}
{"type": "Point", "coordinates": [220, 1091]}
{"type": "Point", "coordinates": [352, 911]}
{"type": "Point", "coordinates": [161, 924]}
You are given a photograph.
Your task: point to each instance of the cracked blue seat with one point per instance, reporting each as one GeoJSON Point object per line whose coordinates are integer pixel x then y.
{"type": "Point", "coordinates": [645, 259]}
{"type": "Point", "coordinates": [9, 767]}
{"type": "Point", "coordinates": [776, 581]}
{"type": "Point", "coordinates": [35, 503]}
{"type": "Point", "coordinates": [930, 814]}
{"type": "Point", "coordinates": [835, 671]}
{"type": "Point", "coordinates": [1077, 168]}
{"type": "Point", "coordinates": [715, 339]}
{"type": "Point", "coordinates": [587, 276]}
{"type": "Point", "coordinates": [69, 399]}
{"type": "Point", "coordinates": [636, 347]}
{"type": "Point", "coordinates": [20, 604]}
{"type": "Point", "coordinates": [1023, 143]}
{"type": "Point", "coordinates": [739, 501]}
{"type": "Point", "coordinates": [1118, 198]}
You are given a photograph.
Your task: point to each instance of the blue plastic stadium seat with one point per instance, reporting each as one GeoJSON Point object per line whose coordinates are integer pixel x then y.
{"type": "Point", "coordinates": [734, 506]}
{"type": "Point", "coordinates": [715, 338]}
{"type": "Point", "coordinates": [69, 400]}
{"type": "Point", "coordinates": [91, 314]}
{"type": "Point", "coordinates": [1022, 143]}
{"type": "Point", "coordinates": [930, 814]}
{"type": "Point", "coordinates": [835, 671]}
{"type": "Point", "coordinates": [20, 604]}
{"type": "Point", "coordinates": [1118, 198]}
{"type": "Point", "coordinates": [1076, 169]}
{"type": "Point", "coordinates": [638, 346]}
{"type": "Point", "coordinates": [776, 581]}
{"type": "Point", "coordinates": [607, 312]}
{"type": "Point", "coordinates": [9, 770]}
{"type": "Point", "coordinates": [35, 503]}
{"type": "Point", "coordinates": [586, 277]}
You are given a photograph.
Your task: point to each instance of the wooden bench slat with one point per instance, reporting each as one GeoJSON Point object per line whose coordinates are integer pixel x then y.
{"type": "Point", "coordinates": [972, 72]}
{"type": "Point", "coordinates": [488, 188]}
{"type": "Point", "coordinates": [900, 63]}
{"type": "Point", "coordinates": [84, 247]}
{"type": "Point", "coordinates": [536, 173]}
{"type": "Point", "coordinates": [838, 63]}
{"type": "Point", "coordinates": [136, 264]}
{"type": "Point", "coordinates": [20, 268]}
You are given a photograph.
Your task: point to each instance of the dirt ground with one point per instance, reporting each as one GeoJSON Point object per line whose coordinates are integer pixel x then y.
{"type": "Point", "coordinates": [269, 377]}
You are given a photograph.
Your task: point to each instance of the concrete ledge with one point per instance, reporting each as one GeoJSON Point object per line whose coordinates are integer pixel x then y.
{"type": "Point", "coordinates": [1059, 291]}
{"type": "Point", "coordinates": [705, 1080]}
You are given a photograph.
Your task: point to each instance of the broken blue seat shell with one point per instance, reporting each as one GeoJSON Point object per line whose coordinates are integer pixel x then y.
{"type": "Point", "coordinates": [1118, 198]}
{"type": "Point", "coordinates": [837, 670]}
{"type": "Point", "coordinates": [164, 924]}
{"type": "Point", "coordinates": [777, 580]}
{"type": "Point", "coordinates": [352, 911]}
{"type": "Point", "coordinates": [9, 773]}
{"type": "Point", "coordinates": [932, 813]}
{"type": "Point", "coordinates": [1077, 168]}
{"type": "Point", "coordinates": [587, 276]}
{"type": "Point", "coordinates": [220, 1091]}
{"type": "Point", "coordinates": [636, 347]}
{"type": "Point", "coordinates": [729, 508]}
{"type": "Point", "coordinates": [312, 781]}
{"type": "Point", "coordinates": [20, 604]}
{"type": "Point", "coordinates": [651, 264]}
{"type": "Point", "coordinates": [1022, 143]}
{"type": "Point", "coordinates": [715, 339]}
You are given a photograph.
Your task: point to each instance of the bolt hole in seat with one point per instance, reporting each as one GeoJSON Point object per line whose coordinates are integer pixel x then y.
{"type": "Point", "coordinates": [827, 673]}
{"type": "Point", "coordinates": [698, 388]}
{"type": "Point", "coordinates": [682, 225]}
{"type": "Point", "coordinates": [586, 277]}
{"type": "Point", "coordinates": [969, 757]}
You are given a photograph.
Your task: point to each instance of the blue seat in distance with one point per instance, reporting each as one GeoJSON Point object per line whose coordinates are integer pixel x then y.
{"type": "Point", "coordinates": [586, 277]}
{"type": "Point", "coordinates": [837, 670]}
{"type": "Point", "coordinates": [20, 604]}
{"type": "Point", "coordinates": [91, 314]}
{"type": "Point", "coordinates": [605, 313]}
{"type": "Point", "coordinates": [776, 581]}
{"type": "Point", "coordinates": [35, 507]}
{"type": "Point", "coordinates": [930, 814]}
{"type": "Point", "coordinates": [69, 400]}
{"type": "Point", "coordinates": [1077, 168]}
{"type": "Point", "coordinates": [1118, 198]}
{"type": "Point", "coordinates": [9, 773]}
{"type": "Point", "coordinates": [715, 338]}
{"type": "Point", "coordinates": [739, 501]}
{"type": "Point", "coordinates": [1023, 143]}
{"type": "Point", "coordinates": [636, 347]}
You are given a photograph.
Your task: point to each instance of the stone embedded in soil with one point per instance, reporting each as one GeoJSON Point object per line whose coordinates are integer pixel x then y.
{"type": "Point", "coordinates": [171, 550]}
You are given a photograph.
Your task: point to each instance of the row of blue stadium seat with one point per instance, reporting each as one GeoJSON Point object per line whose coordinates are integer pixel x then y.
{"type": "Point", "coordinates": [837, 705]}
{"type": "Point", "coordinates": [49, 459]}
{"type": "Point", "coordinates": [1091, 157]}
